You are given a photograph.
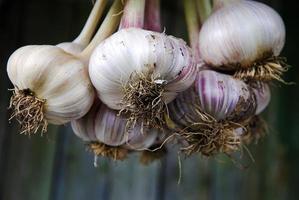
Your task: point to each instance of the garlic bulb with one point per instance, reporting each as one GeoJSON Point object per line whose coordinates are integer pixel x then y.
{"type": "Point", "coordinates": [263, 97]}
{"type": "Point", "coordinates": [239, 36]}
{"type": "Point", "coordinates": [141, 71]}
{"type": "Point", "coordinates": [49, 84]}
{"type": "Point", "coordinates": [218, 95]}
{"type": "Point", "coordinates": [52, 85]}
{"type": "Point", "coordinates": [102, 127]}
{"type": "Point", "coordinates": [208, 114]}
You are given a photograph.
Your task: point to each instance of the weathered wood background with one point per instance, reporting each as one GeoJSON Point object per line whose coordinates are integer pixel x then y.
{"type": "Point", "coordinates": [58, 167]}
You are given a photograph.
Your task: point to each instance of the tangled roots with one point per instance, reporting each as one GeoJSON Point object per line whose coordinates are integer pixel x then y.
{"type": "Point", "coordinates": [211, 139]}
{"type": "Point", "coordinates": [28, 110]}
{"type": "Point", "coordinates": [256, 129]}
{"type": "Point", "coordinates": [153, 154]}
{"type": "Point", "coordinates": [268, 69]}
{"type": "Point", "coordinates": [101, 149]}
{"type": "Point", "coordinates": [143, 101]}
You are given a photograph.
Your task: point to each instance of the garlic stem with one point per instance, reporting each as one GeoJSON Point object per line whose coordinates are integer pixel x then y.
{"type": "Point", "coordinates": [133, 14]}
{"type": "Point", "coordinates": [204, 8]}
{"type": "Point", "coordinates": [220, 3]}
{"type": "Point", "coordinates": [108, 26]}
{"type": "Point", "coordinates": [152, 16]}
{"type": "Point", "coordinates": [193, 25]}
{"type": "Point", "coordinates": [91, 23]}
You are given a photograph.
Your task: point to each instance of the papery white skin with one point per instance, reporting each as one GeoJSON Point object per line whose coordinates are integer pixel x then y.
{"type": "Point", "coordinates": [241, 33]}
{"type": "Point", "coordinates": [215, 94]}
{"type": "Point", "coordinates": [136, 50]}
{"type": "Point", "coordinates": [263, 97]}
{"type": "Point", "coordinates": [104, 125]}
{"type": "Point", "coordinates": [56, 76]}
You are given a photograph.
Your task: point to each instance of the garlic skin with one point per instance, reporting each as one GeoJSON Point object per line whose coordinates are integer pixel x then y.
{"type": "Point", "coordinates": [133, 50]}
{"type": "Point", "coordinates": [241, 33]}
{"type": "Point", "coordinates": [55, 76]}
{"type": "Point", "coordinates": [219, 95]}
{"type": "Point", "coordinates": [103, 125]}
{"type": "Point", "coordinates": [263, 97]}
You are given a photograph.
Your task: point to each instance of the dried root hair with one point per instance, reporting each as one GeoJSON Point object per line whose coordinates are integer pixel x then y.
{"type": "Point", "coordinates": [101, 149]}
{"type": "Point", "coordinates": [210, 137]}
{"type": "Point", "coordinates": [155, 153]}
{"type": "Point", "coordinates": [142, 101]}
{"type": "Point", "coordinates": [28, 110]}
{"type": "Point", "coordinates": [271, 68]}
{"type": "Point", "coordinates": [257, 128]}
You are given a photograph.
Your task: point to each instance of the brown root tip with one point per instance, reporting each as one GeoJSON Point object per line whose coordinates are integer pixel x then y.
{"type": "Point", "coordinates": [149, 156]}
{"type": "Point", "coordinates": [267, 70]}
{"type": "Point", "coordinates": [256, 129]}
{"type": "Point", "coordinates": [101, 149]}
{"type": "Point", "coordinates": [28, 110]}
{"type": "Point", "coordinates": [211, 139]}
{"type": "Point", "coordinates": [142, 100]}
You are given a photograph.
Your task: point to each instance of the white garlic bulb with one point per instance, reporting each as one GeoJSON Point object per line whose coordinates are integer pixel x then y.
{"type": "Point", "coordinates": [241, 35]}
{"type": "Point", "coordinates": [53, 76]}
{"type": "Point", "coordinates": [152, 66]}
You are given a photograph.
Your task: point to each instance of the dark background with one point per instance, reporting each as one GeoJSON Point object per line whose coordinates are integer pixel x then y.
{"type": "Point", "coordinates": [58, 167]}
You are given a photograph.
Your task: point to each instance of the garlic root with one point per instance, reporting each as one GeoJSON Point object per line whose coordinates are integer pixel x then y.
{"type": "Point", "coordinates": [101, 149]}
{"type": "Point", "coordinates": [149, 156]}
{"type": "Point", "coordinates": [266, 70]}
{"type": "Point", "coordinates": [143, 99]}
{"type": "Point", "coordinates": [28, 111]}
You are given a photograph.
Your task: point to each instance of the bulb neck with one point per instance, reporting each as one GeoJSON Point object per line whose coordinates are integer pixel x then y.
{"type": "Point", "coordinates": [107, 28]}
{"type": "Point", "coordinates": [91, 23]}
{"type": "Point", "coordinates": [204, 9]}
{"type": "Point", "coordinates": [152, 16]}
{"type": "Point", "coordinates": [217, 4]}
{"type": "Point", "coordinates": [133, 14]}
{"type": "Point", "coordinates": [193, 26]}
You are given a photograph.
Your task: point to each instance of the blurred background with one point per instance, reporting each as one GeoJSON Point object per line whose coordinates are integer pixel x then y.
{"type": "Point", "coordinates": [57, 165]}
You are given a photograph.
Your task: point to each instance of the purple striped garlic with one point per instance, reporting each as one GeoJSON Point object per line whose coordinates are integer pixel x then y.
{"type": "Point", "coordinates": [107, 134]}
{"type": "Point", "coordinates": [51, 84]}
{"type": "Point", "coordinates": [209, 114]}
{"type": "Point", "coordinates": [218, 95]}
{"type": "Point", "coordinates": [139, 72]}
{"type": "Point", "coordinates": [239, 36]}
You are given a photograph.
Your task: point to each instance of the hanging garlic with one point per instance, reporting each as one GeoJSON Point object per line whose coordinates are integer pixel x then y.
{"type": "Point", "coordinates": [141, 71]}
{"type": "Point", "coordinates": [207, 114]}
{"type": "Point", "coordinates": [106, 133]}
{"type": "Point", "coordinates": [51, 85]}
{"type": "Point", "coordinates": [246, 37]}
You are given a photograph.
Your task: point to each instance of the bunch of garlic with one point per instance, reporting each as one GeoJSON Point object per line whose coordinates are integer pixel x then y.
{"type": "Point", "coordinates": [51, 84]}
{"type": "Point", "coordinates": [245, 37]}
